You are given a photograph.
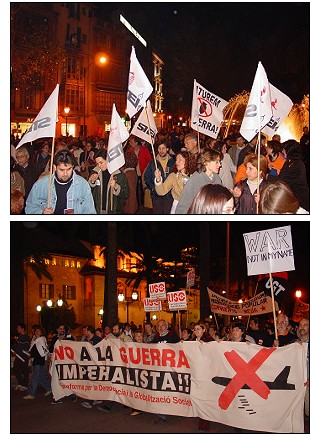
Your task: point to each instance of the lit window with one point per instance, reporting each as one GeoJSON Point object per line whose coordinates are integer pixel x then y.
{"type": "Point", "coordinates": [54, 262]}
{"type": "Point", "coordinates": [46, 261]}
{"type": "Point", "coordinates": [66, 262]}
{"type": "Point", "coordinates": [32, 260]}
{"type": "Point", "coordinates": [72, 264]}
{"type": "Point", "coordinates": [78, 264]}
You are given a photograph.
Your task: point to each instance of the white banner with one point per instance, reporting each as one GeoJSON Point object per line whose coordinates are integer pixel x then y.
{"type": "Point", "coordinates": [207, 111]}
{"type": "Point", "coordinates": [157, 290]}
{"type": "Point", "coordinates": [239, 384]}
{"type": "Point", "coordinates": [259, 304]}
{"type": "Point", "coordinates": [177, 300]}
{"type": "Point", "coordinates": [281, 106]}
{"type": "Point", "coordinates": [258, 111]}
{"type": "Point", "coordinates": [151, 304]}
{"type": "Point", "coordinates": [269, 251]}
{"type": "Point", "coordinates": [190, 278]}
{"type": "Point", "coordinates": [44, 125]}
{"type": "Point", "coordinates": [141, 127]}
{"type": "Point", "coordinates": [118, 135]}
{"type": "Point", "coordinates": [139, 87]}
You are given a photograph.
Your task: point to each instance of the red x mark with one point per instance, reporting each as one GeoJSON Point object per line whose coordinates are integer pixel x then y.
{"type": "Point", "coordinates": [245, 374]}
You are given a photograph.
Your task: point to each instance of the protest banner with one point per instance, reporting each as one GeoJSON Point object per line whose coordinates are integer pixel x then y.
{"type": "Point", "coordinates": [139, 87]}
{"type": "Point", "coordinates": [177, 300]}
{"type": "Point", "coordinates": [258, 111]}
{"type": "Point", "coordinates": [190, 278]}
{"type": "Point", "coordinates": [44, 125]}
{"type": "Point", "coordinates": [301, 310]}
{"type": "Point", "coordinates": [207, 111]}
{"type": "Point", "coordinates": [259, 304]}
{"type": "Point", "coordinates": [281, 106]}
{"type": "Point", "coordinates": [269, 251]}
{"type": "Point", "coordinates": [118, 135]}
{"type": "Point", "coordinates": [157, 290]}
{"type": "Point", "coordinates": [238, 384]}
{"type": "Point", "coordinates": [151, 305]}
{"type": "Point", "coordinates": [145, 128]}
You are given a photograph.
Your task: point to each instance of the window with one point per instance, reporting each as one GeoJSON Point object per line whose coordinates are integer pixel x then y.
{"type": "Point", "coordinates": [54, 262]}
{"type": "Point", "coordinates": [69, 292]}
{"type": "Point", "coordinates": [72, 264]}
{"type": "Point", "coordinates": [46, 291]}
{"type": "Point", "coordinates": [78, 264]}
{"type": "Point", "coordinates": [67, 263]}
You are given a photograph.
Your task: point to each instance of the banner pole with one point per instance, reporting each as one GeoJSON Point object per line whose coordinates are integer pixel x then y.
{"type": "Point", "coordinates": [218, 329]}
{"type": "Point", "coordinates": [149, 130]}
{"type": "Point", "coordinates": [49, 191]}
{"type": "Point", "coordinates": [111, 195]}
{"type": "Point", "coordinates": [247, 326]}
{"type": "Point", "coordinates": [273, 307]}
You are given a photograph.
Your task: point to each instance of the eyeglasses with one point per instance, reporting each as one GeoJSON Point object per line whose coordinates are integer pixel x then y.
{"type": "Point", "coordinates": [229, 211]}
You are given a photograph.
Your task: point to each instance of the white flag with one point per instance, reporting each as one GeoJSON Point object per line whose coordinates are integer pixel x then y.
{"type": "Point", "coordinates": [281, 106]}
{"type": "Point", "coordinates": [258, 111]}
{"type": "Point", "coordinates": [141, 127]}
{"type": "Point", "coordinates": [139, 87]}
{"type": "Point", "coordinates": [44, 125]}
{"type": "Point", "coordinates": [118, 135]}
{"type": "Point", "coordinates": [207, 111]}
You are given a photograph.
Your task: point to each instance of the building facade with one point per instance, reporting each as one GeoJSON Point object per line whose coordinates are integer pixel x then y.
{"type": "Point", "coordinates": [87, 53]}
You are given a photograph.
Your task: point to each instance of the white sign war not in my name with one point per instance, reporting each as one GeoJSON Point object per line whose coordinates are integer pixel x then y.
{"type": "Point", "coordinates": [269, 251]}
{"type": "Point", "coordinates": [259, 304]}
{"type": "Point", "coordinates": [177, 300]}
{"type": "Point", "coordinates": [211, 380]}
{"type": "Point", "coordinates": [207, 111]}
{"type": "Point", "coordinates": [157, 290]}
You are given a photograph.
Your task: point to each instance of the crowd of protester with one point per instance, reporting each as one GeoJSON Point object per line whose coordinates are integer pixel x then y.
{"type": "Point", "coordinates": [187, 165]}
{"type": "Point", "coordinates": [252, 331]}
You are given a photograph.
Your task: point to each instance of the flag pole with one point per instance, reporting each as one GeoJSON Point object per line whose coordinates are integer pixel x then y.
{"type": "Point", "coordinates": [273, 306]}
{"type": "Point", "coordinates": [49, 191]}
{"type": "Point", "coordinates": [149, 130]}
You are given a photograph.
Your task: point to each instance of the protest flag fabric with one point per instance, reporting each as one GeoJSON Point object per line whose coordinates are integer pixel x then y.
{"type": "Point", "coordinates": [301, 310]}
{"type": "Point", "coordinates": [118, 135]}
{"type": "Point", "coordinates": [281, 286]}
{"type": "Point", "coordinates": [258, 111]}
{"type": "Point", "coordinates": [141, 128]}
{"type": "Point", "coordinates": [281, 106]}
{"type": "Point", "coordinates": [44, 125]}
{"type": "Point", "coordinates": [241, 385]}
{"type": "Point", "coordinates": [139, 87]}
{"type": "Point", "coordinates": [207, 111]}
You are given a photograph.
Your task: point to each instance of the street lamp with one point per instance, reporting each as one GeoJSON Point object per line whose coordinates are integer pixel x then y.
{"type": "Point", "coordinates": [298, 293]}
{"type": "Point", "coordinates": [67, 110]}
{"type": "Point", "coordinates": [99, 60]}
{"type": "Point", "coordinates": [121, 299]}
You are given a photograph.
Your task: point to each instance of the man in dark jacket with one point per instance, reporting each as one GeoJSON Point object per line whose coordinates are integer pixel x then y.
{"type": "Point", "coordinates": [19, 349]}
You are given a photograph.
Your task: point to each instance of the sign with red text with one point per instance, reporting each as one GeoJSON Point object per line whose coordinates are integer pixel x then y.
{"type": "Point", "coordinates": [151, 304]}
{"type": "Point", "coordinates": [157, 290]}
{"type": "Point", "coordinates": [239, 384]}
{"type": "Point", "coordinates": [177, 300]}
{"type": "Point", "coordinates": [190, 280]}
{"type": "Point", "coordinates": [269, 251]}
{"type": "Point", "coordinates": [259, 304]}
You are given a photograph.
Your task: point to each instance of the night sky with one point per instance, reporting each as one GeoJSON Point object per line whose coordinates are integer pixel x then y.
{"type": "Point", "coordinates": [166, 239]}
{"type": "Point", "coordinates": [220, 45]}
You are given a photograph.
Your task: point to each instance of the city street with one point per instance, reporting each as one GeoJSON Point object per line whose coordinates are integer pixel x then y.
{"type": "Point", "coordinates": [39, 416]}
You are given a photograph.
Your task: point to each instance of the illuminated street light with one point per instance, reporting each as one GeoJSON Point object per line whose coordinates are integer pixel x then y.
{"type": "Point", "coordinates": [101, 312]}
{"type": "Point", "coordinates": [298, 293]}
{"type": "Point", "coordinates": [66, 111]}
{"type": "Point", "coordinates": [60, 302]}
{"type": "Point", "coordinates": [121, 299]}
{"type": "Point", "coordinates": [99, 60]}
{"type": "Point", "coordinates": [49, 303]}
{"type": "Point", "coordinates": [39, 308]}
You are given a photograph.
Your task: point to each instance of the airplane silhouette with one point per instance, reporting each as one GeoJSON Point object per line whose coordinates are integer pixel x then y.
{"type": "Point", "coordinates": [279, 383]}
